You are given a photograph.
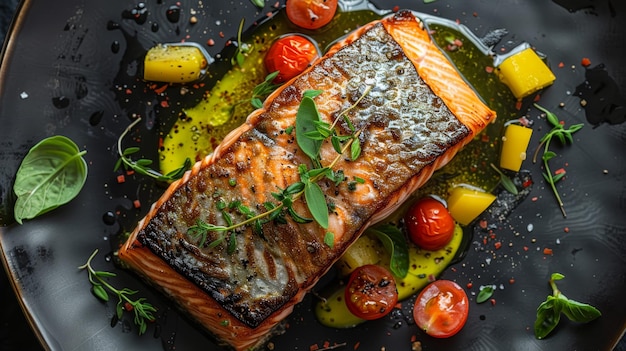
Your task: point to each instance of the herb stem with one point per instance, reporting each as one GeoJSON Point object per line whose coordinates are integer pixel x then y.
{"type": "Point", "coordinates": [142, 310]}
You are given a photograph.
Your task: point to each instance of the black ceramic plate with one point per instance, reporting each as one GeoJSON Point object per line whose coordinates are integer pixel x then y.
{"type": "Point", "coordinates": [64, 70]}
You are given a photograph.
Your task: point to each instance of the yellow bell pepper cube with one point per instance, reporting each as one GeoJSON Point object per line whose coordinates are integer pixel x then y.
{"type": "Point", "coordinates": [524, 72]}
{"type": "Point", "coordinates": [174, 63]}
{"type": "Point", "coordinates": [514, 144]}
{"type": "Point", "coordinates": [466, 204]}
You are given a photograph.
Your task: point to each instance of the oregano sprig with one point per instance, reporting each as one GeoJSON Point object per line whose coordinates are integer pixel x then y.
{"type": "Point", "coordinates": [142, 309]}
{"type": "Point", "coordinates": [564, 135]}
{"type": "Point", "coordinates": [142, 165]}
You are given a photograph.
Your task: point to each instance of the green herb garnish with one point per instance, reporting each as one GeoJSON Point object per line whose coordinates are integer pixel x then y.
{"type": "Point", "coordinates": [564, 135]}
{"type": "Point", "coordinates": [484, 294]}
{"type": "Point", "coordinates": [506, 182]}
{"type": "Point", "coordinates": [141, 166]}
{"type": "Point", "coordinates": [258, 3]}
{"type": "Point", "coordinates": [310, 134]}
{"type": "Point", "coordinates": [50, 175]}
{"type": "Point", "coordinates": [242, 48]}
{"type": "Point", "coordinates": [395, 243]}
{"type": "Point", "coordinates": [549, 312]}
{"type": "Point", "coordinates": [99, 286]}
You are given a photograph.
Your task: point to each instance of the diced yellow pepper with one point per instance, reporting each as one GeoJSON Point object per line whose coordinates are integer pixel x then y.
{"type": "Point", "coordinates": [514, 144]}
{"type": "Point", "coordinates": [174, 64]}
{"type": "Point", "coordinates": [467, 204]}
{"type": "Point", "coordinates": [365, 250]}
{"type": "Point", "coordinates": [524, 73]}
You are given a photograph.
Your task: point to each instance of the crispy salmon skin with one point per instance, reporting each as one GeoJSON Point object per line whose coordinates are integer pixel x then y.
{"type": "Point", "coordinates": [414, 113]}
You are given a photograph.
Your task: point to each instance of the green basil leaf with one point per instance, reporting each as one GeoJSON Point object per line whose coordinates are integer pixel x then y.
{"type": "Point", "coordinates": [316, 202]}
{"type": "Point", "coordinates": [557, 276]}
{"type": "Point", "coordinates": [395, 243]}
{"type": "Point", "coordinates": [306, 117]}
{"type": "Point", "coordinates": [52, 174]}
{"type": "Point", "coordinates": [580, 312]}
{"type": "Point", "coordinates": [312, 93]}
{"type": "Point", "coordinates": [547, 318]}
{"type": "Point", "coordinates": [484, 294]}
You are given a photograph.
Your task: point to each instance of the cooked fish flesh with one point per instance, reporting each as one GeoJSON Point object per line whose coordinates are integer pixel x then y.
{"type": "Point", "coordinates": [415, 113]}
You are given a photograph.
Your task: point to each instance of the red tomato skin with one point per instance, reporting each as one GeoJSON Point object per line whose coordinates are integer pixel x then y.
{"type": "Point", "coordinates": [371, 292]}
{"type": "Point", "coordinates": [311, 14]}
{"type": "Point", "coordinates": [441, 309]}
{"type": "Point", "coordinates": [429, 224]}
{"type": "Point", "coordinates": [291, 55]}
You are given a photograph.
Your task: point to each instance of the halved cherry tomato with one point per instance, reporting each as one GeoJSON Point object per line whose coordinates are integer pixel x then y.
{"type": "Point", "coordinates": [371, 292]}
{"type": "Point", "coordinates": [290, 55]}
{"type": "Point", "coordinates": [311, 14]}
{"type": "Point", "coordinates": [429, 224]}
{"type": "Point", "coordinates": [441, 309]}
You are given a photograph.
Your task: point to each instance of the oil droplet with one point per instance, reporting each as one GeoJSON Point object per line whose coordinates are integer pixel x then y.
{"type": "Point", "coordinates": [96, 117]}
{"type": "Point", "coordinates": [139, 13]}
{"type": "Point", "coordinates": [115, 47]}
{"type": "Point", "coordinates": [602, 97]}
{"type": "Point", "coordinates": [109, 218]}
{"type": "Point", "coordinates": [154, 27]}
{"type": "Point", "coordinates": [173, 13]}
{"type": "Point", "coordinates": [111, 25]}
{"type": "Point", "coordinates": [60, 102]}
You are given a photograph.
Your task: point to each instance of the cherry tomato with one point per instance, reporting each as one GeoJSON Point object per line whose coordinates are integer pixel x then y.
{"type": "Point", "coordinates": [441, 309]}
{"type": "Point", "coordinates": [290, 55]}
{"type": "Point", "coordinates": [311, 14]}
{"type": "Point", "coordinates": [371, 292]}
{"type": "Point", "coordinates": [429, 224]}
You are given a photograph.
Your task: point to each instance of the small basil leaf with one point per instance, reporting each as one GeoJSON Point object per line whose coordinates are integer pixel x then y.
{"type": "Point", "coordinates": [395, 243]}
{"type": "Point", "coordinates": [52, 174]}
{"type": "Point", "coordinates": [547, 318]}
{"type": "Point", "coordinates": [484, 294]}
{"type": "Point", "coordinates": [580, 312]}
{"type": "Point", "coordinates": [306, 117]}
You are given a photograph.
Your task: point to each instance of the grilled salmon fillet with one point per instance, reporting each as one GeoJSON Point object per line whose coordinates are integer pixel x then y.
{"type": "Point", "coordinates": [415, 112]}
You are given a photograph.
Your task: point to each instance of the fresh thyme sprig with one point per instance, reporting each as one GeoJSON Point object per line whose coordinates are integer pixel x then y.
{"type": "Point", "coordinates": [141, 166]}
{"type": "Point", "coordinates": [142, 309]}
{"type": "Point", "coordinates": [564, 136]}
{"type": "Point", "coordinates": [310, 134]}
